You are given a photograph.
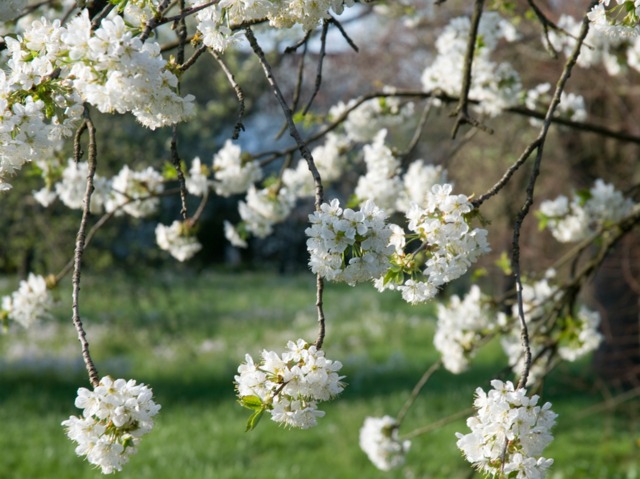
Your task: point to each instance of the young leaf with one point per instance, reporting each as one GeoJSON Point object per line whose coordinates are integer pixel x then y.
{"type": "Point", "coordinates": [252, 402]}
{"type": "Point", "coordinates": [254, 419]}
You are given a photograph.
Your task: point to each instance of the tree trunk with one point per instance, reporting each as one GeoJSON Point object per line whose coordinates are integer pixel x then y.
{"type": "Point", "coordinates": [617, 294]}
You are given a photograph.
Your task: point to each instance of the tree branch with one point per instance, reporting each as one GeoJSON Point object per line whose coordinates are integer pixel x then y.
{"type": "Point", "coordinates": [306, 154]}
{"type": "Point", "coordinates": [538, 146]}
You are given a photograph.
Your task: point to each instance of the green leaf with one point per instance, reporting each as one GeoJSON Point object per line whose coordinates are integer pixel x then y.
{"type": "Point", "coordinates": [254, 419]}
{"type": "Point", "coordinates": [543, 220]}
{"type": "Point", "coordinates": [252, 402]}
{"type": "Point", "coordinates": [479, 273]}
{"type": "Point", "coordinates": [504, 263]}
{"type": "Point", "coordinates": [169, 172]}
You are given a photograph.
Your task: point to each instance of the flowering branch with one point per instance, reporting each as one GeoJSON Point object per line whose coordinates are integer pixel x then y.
{"type": "Point", "coordinates": [94, 378]}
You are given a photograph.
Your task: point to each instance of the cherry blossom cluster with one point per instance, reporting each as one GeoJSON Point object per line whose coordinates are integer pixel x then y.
{"type": "Point", "coordinates": [116, 414]}
{"type": "Point", "coordinates": [448, 246]}
{"type": "Point", "coordinates": [379, 440]}
{"type": "Point", "coordinates": [571, 336]}
{"type": "Point", "coordinates": [216, 25]}
{"type": "Point", "coordinates": [347, 245]}
{"type": "Point", "coordinates": [614, 46]}
{"type": "Point", "coordinates": [620, 21]}
{"type": "Point", "coordinates": [289, 386]}
{"type": "Point", "coordinates": [495, 86]}
{"type": "Point", "coordinates": [53, 69]}
{"type": "Point", "coordinates": [29, 303]}
{"type": "Point", "coordinates": [462, 324]}
{"type": "Point", "coordinates": [586, 213]}
{"type": "Point", "coordinates": [508, 433]}
{"type": "Point", "coordinates": [232, 173]}
{"type": "Point", "coordinates": [178, 239]}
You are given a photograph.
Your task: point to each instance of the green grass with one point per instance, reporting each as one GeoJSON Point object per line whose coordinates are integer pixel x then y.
{"type": "Point", "coordinates": [185, 335]}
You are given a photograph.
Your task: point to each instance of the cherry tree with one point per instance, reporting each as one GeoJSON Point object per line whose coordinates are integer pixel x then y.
{"type": "Point", "coordinates": [381, 214]}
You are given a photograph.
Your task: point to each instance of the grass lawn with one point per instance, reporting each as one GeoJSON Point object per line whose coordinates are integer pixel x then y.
{"type": "Point", "coordinates": [184, 336]}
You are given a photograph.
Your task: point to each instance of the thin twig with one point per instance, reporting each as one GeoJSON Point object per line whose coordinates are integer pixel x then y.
{"type": "Point", "coordinates": [546, 24]}
{"type": "Point", "coordinates": [299, 81]}
{"type": "Point", "coordinates": [318, 83]}
{"type": "Point", "coordinates": [418, 131]}
{"type": "Point", "coordinates": [462, 110]}
{"type": "Point", "coordinates": [348, 39]}
{"type": "Point", "coordinates": [416, 391]}
{"type": "Point", "coordinates": [437, 425]}
{"type": "Point", "coordinates": [79, 250]}
{"type": "Point", "coordinates": [177, 164]}
{"type": "Point", "coordinates": [155, 21]}
{"type": "Point", "coordinates": [192, 59]}
{"type": "Point", "coordinates": [306, 154]}
{"type": "Point", "coordinates": [239, 126]}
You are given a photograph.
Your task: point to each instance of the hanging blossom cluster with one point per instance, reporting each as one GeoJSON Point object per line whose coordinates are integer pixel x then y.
{"type": "Point", "coordinates": [347, 245]}
{"type": "Point", "coordinates": [53, 69]}
{"type": "Point", "coordinates": [509, 433]}
{"type": "Point", "coordinates": [379, 440]}
{"type": "Point", "coordinates": [116, 414]}
{"type": "Point", "coordinates": [178, 239]}
{"type": "Point", "coordinates": [495, 86]}
{"type": "Point", "coordinates": [586, 213]}
{"type": "Point", "coordinates": [570, 336]}
{"type": "Point", "coordinates": [619, 21]}
{"type": "Point", "coordinates": [29, 303]}
{"type": "Point", "coordinates": [232, 173]}
{"type": "Point", "coordinates": [448, 246]}
{"type": "Point", "coordinates": [288, 386]}
{"type": "Point", "coordinates": [216, 25]}
{"type": "Point", "coordinates": [462, 324]}
{"type": "Point", "coordinates": [616, 46]}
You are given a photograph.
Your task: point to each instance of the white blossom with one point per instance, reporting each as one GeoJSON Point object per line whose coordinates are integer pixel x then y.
{"type": "Point", "coordinates": [381, 184]}
{"type": "Point", "coordinates": [379, 440]}
{"type": "Point", "coordinates": [178, 240]}
{"type": "Point", "coordinates": [461, 325]}
{"type": "Point", "coordinates": [289, 386]}
{"type": "Point", "coordinates": [264, 208]}
{"type": "Point", "coordinates": [448, 246]}
{"type": "Point", "coordinates": [197, 182]}
{"type": "Point", "coordinates": [135, 192]}
{"type": "Point", "coordinates": [116, 414]}
{"type": "Point", "coordinates": [570, 221]}
{"type": "Point", "coordinates": [30, 303]}
{"type": "Point", "coordinates": [495, 86]}
{"type": "Point", "coordinates": [232, 174]}
{"type": "Point", "coordinates": [347, 245]}
{"type": "Point", "coordinates": [508, 433]}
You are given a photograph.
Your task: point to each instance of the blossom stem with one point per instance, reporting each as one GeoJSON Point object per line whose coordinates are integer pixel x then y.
{"type": "Point", "coordinates": [416, 391]}
{"type": "Point", "coordinates": [80, 244]}
{"type": "Point", "coordinates": [306, 154]}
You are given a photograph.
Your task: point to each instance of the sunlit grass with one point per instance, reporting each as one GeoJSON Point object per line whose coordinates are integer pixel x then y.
{"type": "Point", "coordinates": [185, 335]}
